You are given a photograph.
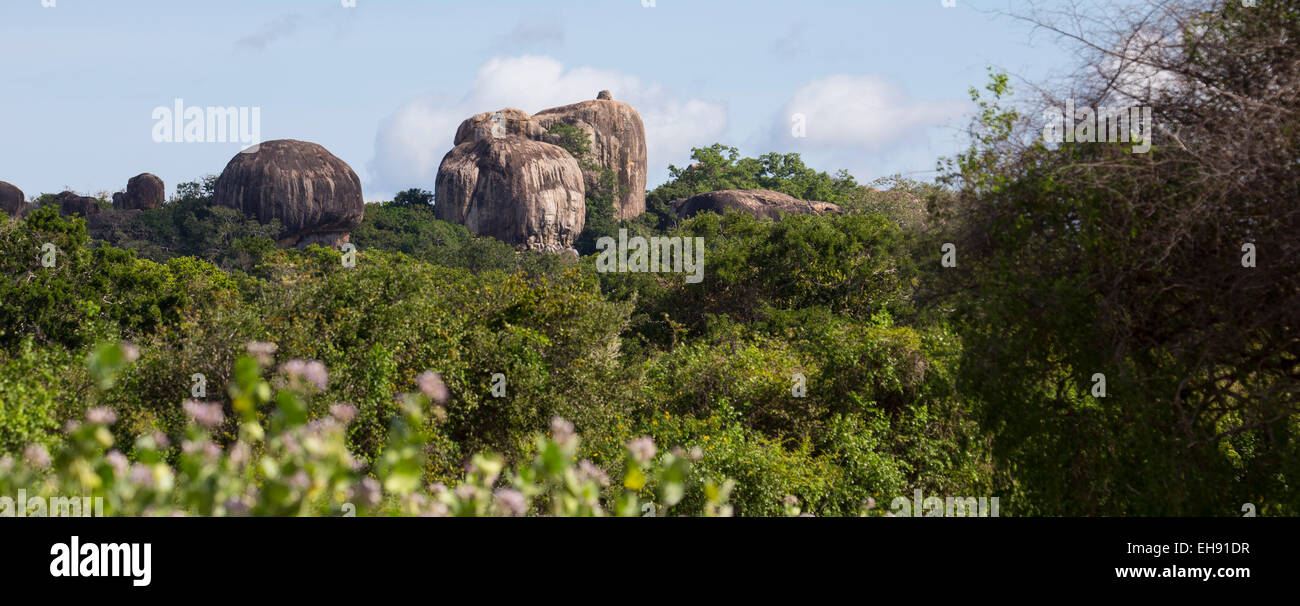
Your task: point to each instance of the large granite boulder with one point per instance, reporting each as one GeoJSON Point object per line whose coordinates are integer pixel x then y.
{"type": "Point", "coordinates": [509, 121]}
{"type": "Point", "coordinates": [517, 190]}
{"type": "Point", "coordinates": [618, 143]}
{"type": "Point", "coordinates": [71, 204]}
{"type": "Point", "coordinates": [761, 203]}
{"type": "Point", "coordinates": [143, 192]}
{"type": "Point", "coordinates": [11, 200]}
{"type": "Point", "coordinates": [316, 196]}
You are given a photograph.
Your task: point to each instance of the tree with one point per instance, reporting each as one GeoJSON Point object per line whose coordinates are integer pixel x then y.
{"type": "Point", "coordinates": [413, 198]}
{"type": "Point", "coordinates": [1079, 259]}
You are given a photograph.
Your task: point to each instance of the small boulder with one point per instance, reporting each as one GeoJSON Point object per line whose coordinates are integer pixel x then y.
{"type": "Point", "coordinates": [71, 204]}
{"type": "Point", "coordinates": [524, 192]}
{"type": "Point", "coordinates": [11, 200]}
{"type": "Point", "coordinates": [761, 203]}
{"type": "Point", "coordinates": [143, 192]}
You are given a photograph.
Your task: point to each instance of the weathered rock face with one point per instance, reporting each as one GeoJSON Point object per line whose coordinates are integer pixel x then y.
{"type": "Point", "coordinates": [617, 143]}
{"type": "Point", "coordinates": [761, 203]}
{"type": "Point", "coordinates": [72, 204]}
{"type": "Point", "coordinates": [509, 121]}
{"type": "Point", "coordinates": [143, 192]}
{"type": "Point", "coordinates": [316, 196]}
{"type": "Point", "coordinates": [11, 199]}
{"type": "Point", "coordinates": [520, 191]}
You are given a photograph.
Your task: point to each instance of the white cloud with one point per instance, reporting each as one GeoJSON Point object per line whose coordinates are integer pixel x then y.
{"type": "Point", "coordinates": [864, 124]}
{"type": "Point", "coordinates": [412, 141]}
{"type": "Point", "coordinates": [860, 113]}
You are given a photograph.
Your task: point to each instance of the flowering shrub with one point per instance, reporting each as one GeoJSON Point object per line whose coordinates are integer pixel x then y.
{"type": "Point", "coordinates": [281, 463]}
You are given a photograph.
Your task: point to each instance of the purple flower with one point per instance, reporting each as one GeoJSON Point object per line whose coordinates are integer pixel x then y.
{"type": "Point", "coordinates": [36, 455]}
{"type": "Point", "coordinates": [207, 448]}
{"type": "Point", "coordinates": [118, 462]}
{"type": "Point", "coordinates": [262, 351]}
{"type": "Point", "coordinates": [511, 501]}
{"type": "Point", "coordinates": [236, 506]}
{"type": "Point", "coordinates": [561, 431]}
{"type": "Point", "coordinates": [465, 492]}
{"type": "Point", "coordinates": [289, 442]}
{"type": "Point", "coordinates": [101, 415]}
{"type": "Point", "coordinates": [240, 454]}
{"type": "Point", "coordinates": [141, 475]}
{"type": "Point", "coordinates": [311, 371]}
{"type": "Point", "coordinates": [131, 352]}
{"type": "Point", "coordinates": [208, 415]}
{"type": "Point", "coordinates": [432, 387]}
{"type": "Point", "coordinates": [642, 449]}
{"type": "Point", "coordinates": [589, 471]}
{"type": "Point", "coordinates": [300, 480]}
{"type": "Point", "coordinates": [368, 491]}
{"type": "Point", "coordinates": [345, 413]}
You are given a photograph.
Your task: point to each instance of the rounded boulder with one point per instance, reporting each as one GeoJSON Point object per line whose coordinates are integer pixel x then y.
{"type": "Point", "coordinates": [316, 196]}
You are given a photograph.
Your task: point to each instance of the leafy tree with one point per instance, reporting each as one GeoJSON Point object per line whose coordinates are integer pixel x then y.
{"type": "Point", "coordinates": [1082, 262]}
{"type": "Point", "coordinates": [719, 167]}
{"type": "Point", "coordinates": [414, 197]}
{"type": "Point", "coordinates": [601, 186]}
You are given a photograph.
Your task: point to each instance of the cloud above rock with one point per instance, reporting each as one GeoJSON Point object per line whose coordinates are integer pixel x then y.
{"type": "Point", "coordinates": [859, 112]}
{"type": "Point", "coordinates": [412, 141]}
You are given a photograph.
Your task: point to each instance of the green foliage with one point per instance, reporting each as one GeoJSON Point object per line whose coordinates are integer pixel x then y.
{"type": "Point", "coordinates": [853, 265]}
{"type": "Point", "coordinates": [284, 464]}
{"type": "Point", "coordinates": [720, 167]}
{"type": "Point", "coordinates": [85, 293]}
{"type": "Point", "coordinates": [1090, 260]}
{"type": "Point", "coordinates": [414, 230]}
{"type": "Point", "coordinates": [413, 197]}
{"type": "Point", "coordinates": [189, 225]}
{"type": "Point", "coordinates": [32, 385]}
{"type": "Point", "coordinates": [602, 192]}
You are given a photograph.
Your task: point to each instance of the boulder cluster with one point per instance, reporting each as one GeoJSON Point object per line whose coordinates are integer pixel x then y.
{"type": "Point", "coordinates": [315, 196]}
{"type": "Point", "coordinates": [142, 192]}
{"type": "Point", "coordinates": [505, 179]}
{"type": "Point", "coordinates": [74, 204]}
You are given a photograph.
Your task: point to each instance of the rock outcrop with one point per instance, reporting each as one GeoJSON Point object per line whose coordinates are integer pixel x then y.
{"type": "Point", "coordinates": [524, 192]}
{"type": "Point", "coordinates": [143, 192]}
{"type": "Point", "coordinates": [316, 196]}
{"type": "Point", "coordinates": [72, 204]}
{"type": "Point", "coordinates": [761, 203]}
{"type": "Point", "coordinates": [11, 200]}
{"type": "Point", "coordinates": [618, 143]}
{"type": "Point", "coordinates": [509, 121]}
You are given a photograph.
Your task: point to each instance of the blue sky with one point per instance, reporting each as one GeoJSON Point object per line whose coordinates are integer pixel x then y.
{"type": "Point", "coordinates": [881, 84]}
